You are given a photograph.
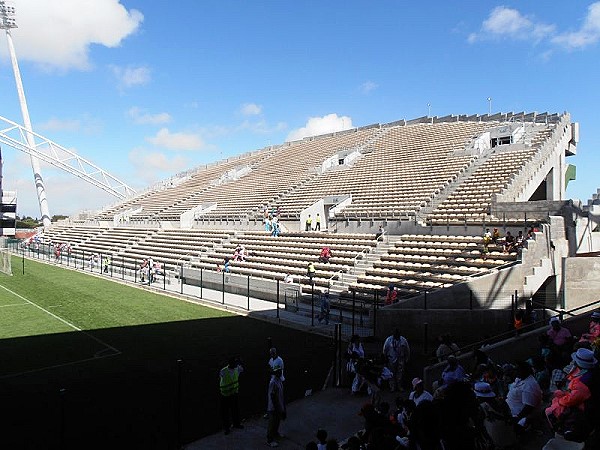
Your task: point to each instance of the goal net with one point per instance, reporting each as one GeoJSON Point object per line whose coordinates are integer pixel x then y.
{"type": "Point", "coordinates": [5, 266]}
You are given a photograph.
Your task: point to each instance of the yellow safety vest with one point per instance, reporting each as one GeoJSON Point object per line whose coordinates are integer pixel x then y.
{"type": "Point", "coordinates": [229, 382]}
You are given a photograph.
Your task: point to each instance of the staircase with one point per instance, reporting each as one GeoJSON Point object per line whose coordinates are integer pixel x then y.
{"type": "Point", "coordinates": [362, 264]}
{"type": "Point", "coordinates": [539, 276]}
{"type": "Point", "coordinates": [450, 188]}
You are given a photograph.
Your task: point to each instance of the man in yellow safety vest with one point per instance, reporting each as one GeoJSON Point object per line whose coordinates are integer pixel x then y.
{"type": "Point", "coordinates": [229, 386]}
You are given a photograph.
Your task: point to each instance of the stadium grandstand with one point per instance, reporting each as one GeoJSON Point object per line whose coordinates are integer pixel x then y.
{"type": "Point", "coordinates": [432, 184]}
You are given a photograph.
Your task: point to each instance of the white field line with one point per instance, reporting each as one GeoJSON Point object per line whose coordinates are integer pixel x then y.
{"type": "Point", "coordinates": [76, 328]}
{"type": "Point", "coordinates": [14, 304]}
{"type": "Point", "coordinates": [56, 366]}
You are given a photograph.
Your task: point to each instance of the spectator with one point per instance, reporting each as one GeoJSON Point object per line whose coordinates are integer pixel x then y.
{"type": "Point", "coordinates": [276, 228]}
{"type": "Point", "coordinates": [565, 414]}
{"type": "Point", "coordinates": [312, 445]}
{"type": "Point", "coordinates": [267, 224]}
{"type": "Point", "coordinates": [325, 307]}
{"type": "Point", "coordinates": [229, 386]}
{"type": "Point", "coordinates": [318, 222]}
{"type": "Point", "coordinates": [321, 439]}
{"type": "Point", "coordinates": [419, 393]}
{"type": "Point", "coordinates": [561, 338]}
{"type": "Point", "coordinates": [380, 232]}
{"type": "Point", "coordinates": [509, 243]}
{"type": "Point", "coordinates": [106, 263]}
{"type": "Point", "coordinates": [325, 255]}
{"type": "Point", "coordinates": [487, 240]}
{"type": "Point", "coordinates": [530, 315]}
{"type": "Point", "coordinates": [289, 278]}
{"type": "Point", "coordinates": [524, 396]}
{"type": "Point", "coordinates": [593, 330]}
{"type": "Point", "coordinates": [276, 408]}
{"type": "Point", "coordinates": [496, 236]}
{"type": "Point", "coordinates": [452, 373]}
{"type": "Point", "coordinates": [396, 352]}
{"type": "Point", "coordinates": [392, 295]}
{"type": "Point", "coordinates": [143, 270]}
{"type": "Point", "coordinates": [355, 354]}
{"type": "Point", "coordinates": [226, 265]}
{"type": "Point", "coordinates": [519, 241]}
{"type": "Point", "coordinates": [446, 348]}
{"type": "Point", "coordinates": [492, 419]}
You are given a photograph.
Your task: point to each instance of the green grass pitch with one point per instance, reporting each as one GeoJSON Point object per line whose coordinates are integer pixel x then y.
{"type": "Point", "coordinates": [85, 359]}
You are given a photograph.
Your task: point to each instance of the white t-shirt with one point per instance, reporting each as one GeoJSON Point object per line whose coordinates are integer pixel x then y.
{"type": "Point", "coordinates": [523, 392]}
{"type": "Point", "coordinates": [425, 396]}
{"type": "Point", "coordinates": [279, 363]}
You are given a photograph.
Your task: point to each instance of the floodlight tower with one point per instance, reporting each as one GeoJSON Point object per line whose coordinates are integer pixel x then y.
{"type": "Point", "coordinates": [7, 22]}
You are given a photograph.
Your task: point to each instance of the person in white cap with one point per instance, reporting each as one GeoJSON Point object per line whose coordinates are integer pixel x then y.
{"type": "Point", "coordinates": [419, 394]}
{"type": "Point", "coordinates": [578, 390]}
{"type": "Point", "coordinates": [594, 329]}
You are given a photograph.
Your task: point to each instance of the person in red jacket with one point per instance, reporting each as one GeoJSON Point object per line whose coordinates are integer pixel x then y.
{"type": "Point", "coordinates": [594, 330]}
{"type": "Point", "coordinates": [578, 390]}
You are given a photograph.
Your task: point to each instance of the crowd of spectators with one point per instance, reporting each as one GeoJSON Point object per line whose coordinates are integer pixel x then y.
{"type": "Point", "coordinates": [487, 406]}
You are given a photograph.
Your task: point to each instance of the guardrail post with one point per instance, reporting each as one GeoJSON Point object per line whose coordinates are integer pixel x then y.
{"type": "Point", "coordinates": [223, 289]}
{"type": "Point", "coordinates": [164, 271]}
{"type": "Point", "coordinates": [470, 299]}
{"type": "Point", "coordinates": [201, 282]}
{"type": "Point", "coordinates": [353, 309]}
{"type": "Point", "coordinates": [123, 267]}
{"type": "Point", "coordinates": [277, 296]}
{"type": "Point", "coordinates": [135, 272]}
{"type": "Point", "coordinates": [312, 305]}
{"type": "Point", "coordinates": [425, 301]}
{"type": "Point", "coordinates": [248, 296]}
{"type": "Point", "coordinates": [181, 278]}
{"type": "Point", "coordinates": [375, 306]}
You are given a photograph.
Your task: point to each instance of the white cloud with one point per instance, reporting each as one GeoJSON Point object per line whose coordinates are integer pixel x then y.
{"type": "Point", "coordinates": [56, 124]}
{"type": "Point", "coordinates": [509, 23]}
{"type": "Point", "coordinates": [250, 109]}
{"type": "Point", "coordinates": [151, 167]}
{"type": "Point", "coordinates": [141, 117]}
{"type": "Point", "coordinates": [321, 125]}
{"type": "Point", "coordinates": [131, 76]}
{"type": "Point", "coordinates": [588, 33]}
{"type": "Point", "coordinates": [58, 35]}
{"type": "Point", "coordinates": [368, 86]}
{"type": "Point", "coordinates": [176, 141]}
{"type": "Point", "coordinates": [86, 124]}
{"type": "Point", "coordinates": [261, 127]}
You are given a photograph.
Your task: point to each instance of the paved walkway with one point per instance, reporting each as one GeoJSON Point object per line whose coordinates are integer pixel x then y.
{"type": "Point", "coordinates": [334, 410]}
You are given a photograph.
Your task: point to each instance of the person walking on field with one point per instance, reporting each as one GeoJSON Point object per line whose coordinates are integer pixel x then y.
{"type": "Point", "coordinates": [397, 353]}
{"type": "Point", "coordinates": [229, 385]}
{"type": "Point", "coordinates": [276, 407]}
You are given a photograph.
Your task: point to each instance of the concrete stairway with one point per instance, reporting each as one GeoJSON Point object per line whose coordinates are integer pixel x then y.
{"type": "Point", "coordinates": [539, 276]}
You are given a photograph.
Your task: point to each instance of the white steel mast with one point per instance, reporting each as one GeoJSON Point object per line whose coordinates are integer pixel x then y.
{"type": "Point", "coordinates": [7, 22]}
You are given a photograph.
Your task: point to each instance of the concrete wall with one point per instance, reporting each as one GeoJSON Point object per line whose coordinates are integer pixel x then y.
{"type": "Point", "coordinates": [581, 280]}
{"type": "Point", "coordinates": [462, 324]}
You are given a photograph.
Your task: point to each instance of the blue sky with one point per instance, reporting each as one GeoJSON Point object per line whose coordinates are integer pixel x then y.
{"type": "Point", "coordinates": [146, 89]}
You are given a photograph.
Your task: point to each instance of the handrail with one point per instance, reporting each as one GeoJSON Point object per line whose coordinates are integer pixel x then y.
{"type": "Point", "coordinates": [529, 327]}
